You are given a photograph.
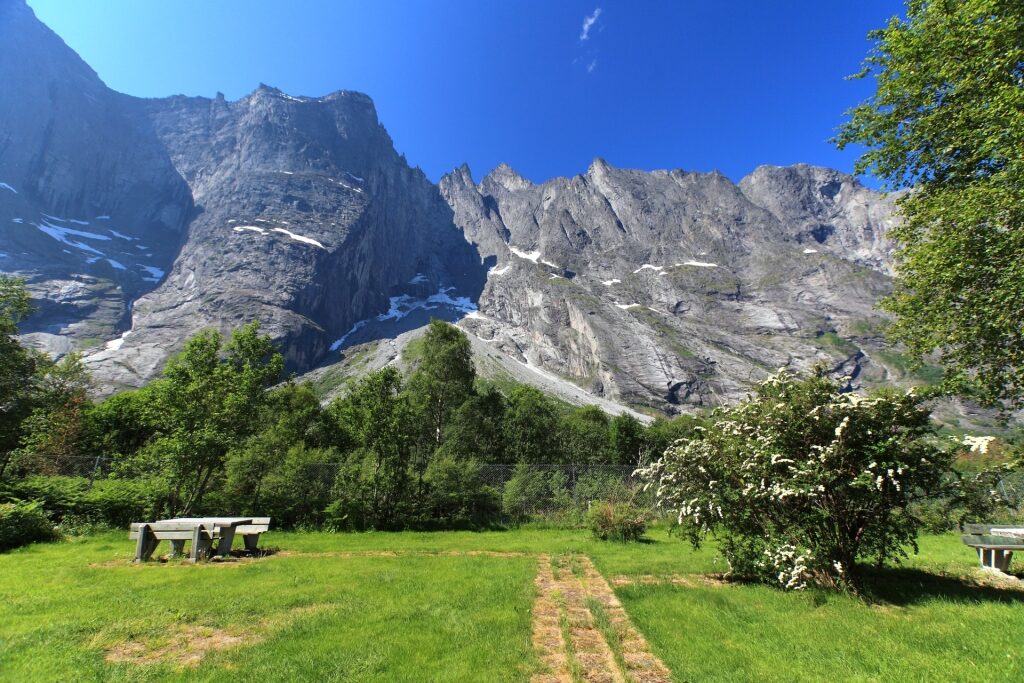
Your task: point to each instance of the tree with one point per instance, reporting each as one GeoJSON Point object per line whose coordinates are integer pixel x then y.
{"type": "Point", "coordinates": [56, 433]}
{"type": "Point", "coordinates": [444, 377]}
{"type": "Point", "coordinates": [278, 471]}
{"type": "Point", "coordinates": [627, 439]}
{"type": "Point", "coordinates": [122, 424]}
{"type": "Point", "coordinates": [584, 437]}
{"type": "Point", "coordinates": [18, 367]}
{"type": "Point", "coordinates": [475, 430]}
{"type": "Point", "coordinates": [210, 399]}
{"type": "Point", "coordinates": [801, 482]}
{"type": "Point", "coordinates": [947, 119]}
{"type": "Point", "coordinates": [531, 426]}
{"type": "Point", "coordinates": [372, 487]}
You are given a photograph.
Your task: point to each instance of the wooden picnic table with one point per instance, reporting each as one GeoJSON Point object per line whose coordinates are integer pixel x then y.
{"type": "Point", "coordinates": [201, 531]}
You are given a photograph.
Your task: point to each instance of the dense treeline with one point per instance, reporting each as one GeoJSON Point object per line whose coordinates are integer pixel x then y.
{"type": "Point", "coordinates": [222, 431]}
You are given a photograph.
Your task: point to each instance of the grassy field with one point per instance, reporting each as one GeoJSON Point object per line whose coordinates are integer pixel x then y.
{"type": "Point", "coordinates": [457, 606]}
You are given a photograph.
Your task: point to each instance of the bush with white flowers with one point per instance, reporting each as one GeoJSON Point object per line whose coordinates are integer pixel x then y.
{"type": "Point", "coordinates": [801, 481]}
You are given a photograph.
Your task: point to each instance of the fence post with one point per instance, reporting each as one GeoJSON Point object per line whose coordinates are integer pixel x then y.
{"type": "Point", "coordinates": [92, 474]}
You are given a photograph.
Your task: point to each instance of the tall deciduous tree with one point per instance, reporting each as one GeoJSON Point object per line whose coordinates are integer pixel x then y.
{"type": "Point", "coordinates": [17, 367]}
{"type": "Point", "coordinates": [209, 399]}
{"type": "Point", "coordinates": [947, 119]}
{"type": "Point", "coordinates": [444, 379]}
{"type": "Point", "coordinates": [531, 427]}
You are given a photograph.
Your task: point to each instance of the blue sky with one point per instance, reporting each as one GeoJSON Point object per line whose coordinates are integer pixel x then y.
{"type": "Point", "coordinates": [543, 86]}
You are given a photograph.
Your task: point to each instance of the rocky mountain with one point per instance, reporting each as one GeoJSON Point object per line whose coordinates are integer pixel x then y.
{"type": "Point", "coordinates": [139, 222]}
{"type": "Point", "coordinates": [670, 288]}
{"type": "Point", "coordinates": [91, 208]}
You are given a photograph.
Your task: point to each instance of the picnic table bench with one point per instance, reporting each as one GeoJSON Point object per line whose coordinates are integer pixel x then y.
{"type": "Point", "coordinates": [201, 531]}
{"type": "Point", "coordinates": [995, 544]}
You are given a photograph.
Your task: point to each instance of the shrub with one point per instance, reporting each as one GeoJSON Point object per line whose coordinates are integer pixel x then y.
{"type": "Point", "coordinates": [526, 493]}
{"type": "Point", "coordinates": [457, 496]}
{"type": "Point", "coordinates": [106, 502]}
{"type": "Point", "coordinates": [23, 523]}
{"type": "Point", "coordinates": [801, 481]}
{"type": "Point", "coordinates": [622, 522]}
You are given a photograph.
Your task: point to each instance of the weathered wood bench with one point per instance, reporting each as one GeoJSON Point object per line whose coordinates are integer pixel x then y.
{"type": "Point", "coordinates": [201, 531]}
{"type": "Point", "coordinates": [995, 544]}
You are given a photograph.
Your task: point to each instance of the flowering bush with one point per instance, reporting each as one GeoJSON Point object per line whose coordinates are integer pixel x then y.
{"type": "Point", "coordinates": [801, 481]}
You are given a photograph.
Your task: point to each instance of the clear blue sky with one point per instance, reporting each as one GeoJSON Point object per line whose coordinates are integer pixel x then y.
{"type": "Point", "coordinates": [692, 84]}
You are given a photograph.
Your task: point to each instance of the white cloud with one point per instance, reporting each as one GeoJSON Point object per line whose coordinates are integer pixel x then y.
{"type": "Point", "coordinates": [591, 66]}
{"type": "Point", "coordinates": [588, 23]}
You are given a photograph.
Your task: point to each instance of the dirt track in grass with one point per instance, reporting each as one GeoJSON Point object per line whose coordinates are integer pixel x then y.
{"type": "Point", "coordinates": [581, 631]}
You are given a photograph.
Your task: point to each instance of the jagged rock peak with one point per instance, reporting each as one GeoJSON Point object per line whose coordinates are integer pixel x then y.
{"type": "Point", "coordinates": [264, 90]}
{"type": "Point", "coordinates": [598, 166]}
{"type": "Point", "coordinates": [506, 177]}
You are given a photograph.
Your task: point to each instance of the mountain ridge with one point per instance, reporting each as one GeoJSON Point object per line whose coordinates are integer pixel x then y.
{"type": "Point", "coordinates": [664, 290]}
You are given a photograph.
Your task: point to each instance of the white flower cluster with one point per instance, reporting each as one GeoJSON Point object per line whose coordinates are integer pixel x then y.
{"type": "Point", "coordinates": [978, 444]}
{"type": "Point", "coordinates": [790, 566]}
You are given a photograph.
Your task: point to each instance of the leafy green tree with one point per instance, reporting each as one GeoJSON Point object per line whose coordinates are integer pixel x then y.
{"type": "Point", "coordinates": [56, 433]}
{"type": "Point", "coordinates": [18, 367]}
{"type": "Point", "coordinates": [122, 424]}
{"type": "Point", "coordinates": [372, 490]}
{"type": "Point", "coordinates": [280, 470]}
{"type": "Point", "coordinates": [210, 399]}
{"type": "Point", "coordinates": [585, 437]}
{"type": "Point", "coordinates": [443, 381]}
{"type": "Point", "coordinates": [626, 435]}
{"type": "Point", "coordinates": [459, 497]}
{"type": "Point", "coordinates": [527, 492]}
{"type": "Point", "coordinates": [947, 119]}
{"type": "Point", "coordinates": [662, 433]}
{"type": "Point", "coordinates": [475, 430]}
{"type": "Point", "coordinates": [801, 482]}
{"type": "Point", "coordinates": [531, 427]}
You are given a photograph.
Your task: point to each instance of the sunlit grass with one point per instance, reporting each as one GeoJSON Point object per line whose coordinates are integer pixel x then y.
{"type": "Point", "coordinates": [321, 610]}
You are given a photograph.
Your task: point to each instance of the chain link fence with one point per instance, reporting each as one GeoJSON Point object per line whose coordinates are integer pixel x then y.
{"type": "Point", "coordinates": [580, 482]}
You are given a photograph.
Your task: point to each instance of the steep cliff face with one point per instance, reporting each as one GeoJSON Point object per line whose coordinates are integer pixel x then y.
{"type": "Point", "coordinates": [669, 289]}
{"type": "Point", "coordinates": [92, 211]}
{"type": "Point", "coordinates": [139, 222]}
{"type": "Point", "coordinates": [305, 219]}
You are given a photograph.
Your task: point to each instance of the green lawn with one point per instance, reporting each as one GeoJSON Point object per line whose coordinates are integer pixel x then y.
{"type": "Point", "coordinates": [322, 610]}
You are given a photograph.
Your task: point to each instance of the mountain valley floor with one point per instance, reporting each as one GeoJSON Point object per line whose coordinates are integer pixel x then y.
{"type": "Point", "coordinates": [469, 606]}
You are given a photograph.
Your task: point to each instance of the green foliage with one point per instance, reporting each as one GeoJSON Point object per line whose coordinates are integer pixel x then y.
{"type": "Point", "coordinates": [585, 437]}
{"type": "Point", "coordinates": [372, 486]}
{"type": "Point", "coordinates": [55, 433]}
{"type": "Point", "coordinates": [122, 424]}
{"type": "Point", "coordinates": [801, 482]}
{"type": "Point", "coordinates": [476, 428]}
{"type": "Point", "coordinates": [621, 522]}
{"type": "Point", "coordinates": [459, 498]}
{"type": "Point", "coordinates": [531, 426]}
{"type": "Point", "coordinates": [18, 368]}
{"type": "Point", "coordinates": [443, 381]}
{"type": "Point", "coordinates": [23, 523]}
{"type": "Point", "coordinates": [663, 433]}
{"type": "Point", "coordinates": [526, 493]}
{"type": "Point", "coordinates": [103, 502]}
{"type": "Point", "coordinates": [947, 119]}
{"type": "Point", "coordinates": [626, 439]}
{"type": "Point", "coordinates": [209, 399]}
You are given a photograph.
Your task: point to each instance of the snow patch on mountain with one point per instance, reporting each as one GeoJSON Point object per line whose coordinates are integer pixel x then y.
{"type": "Point", "coordinates": [300, 238]}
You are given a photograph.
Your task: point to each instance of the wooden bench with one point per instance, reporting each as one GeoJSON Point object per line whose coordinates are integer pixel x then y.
{"type": "Point", "coordinates": [995, 544]}
{"type": "Point", "coordinates": [201, 531]}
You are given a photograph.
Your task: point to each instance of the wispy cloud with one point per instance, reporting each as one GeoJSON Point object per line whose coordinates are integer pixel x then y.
{"type": "Point", "coordinates": [591, 66]}
{"type": "Point", "coordinates": [588, 23]}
